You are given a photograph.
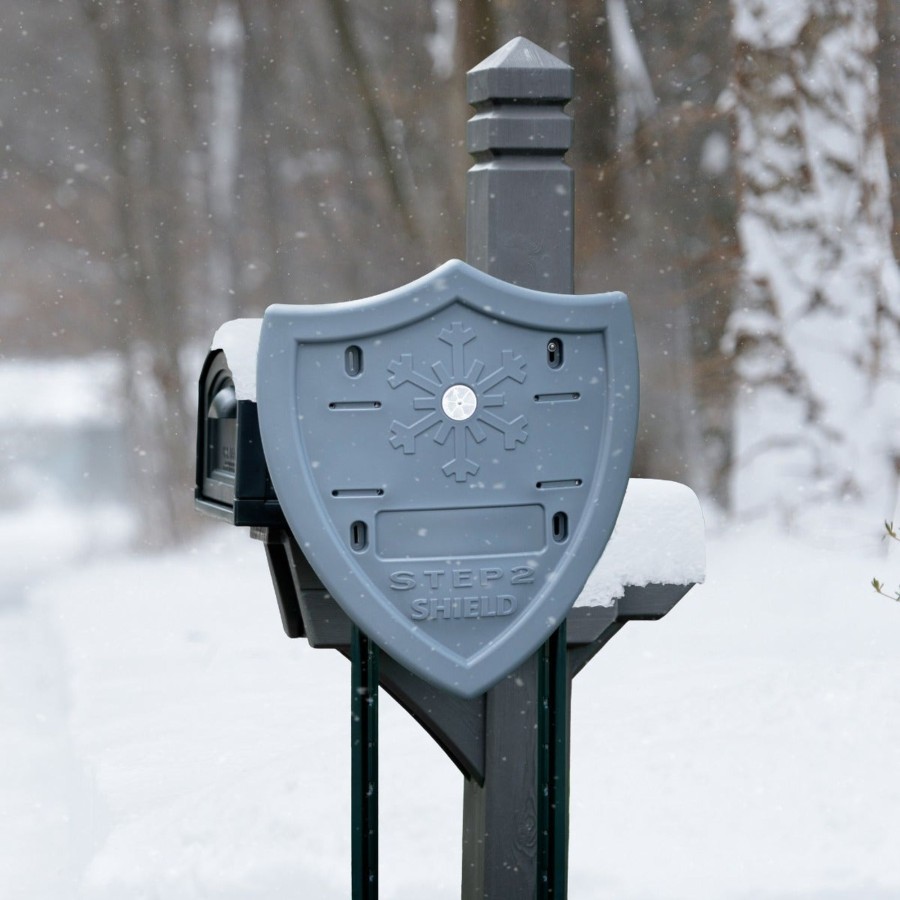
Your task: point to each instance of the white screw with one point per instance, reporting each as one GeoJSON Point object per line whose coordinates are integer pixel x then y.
{"type": "Point", "coordinates": [459, 402]}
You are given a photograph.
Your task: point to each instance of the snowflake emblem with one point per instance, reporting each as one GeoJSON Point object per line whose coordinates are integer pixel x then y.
{"type": "Point", "coordinates": [458, 402]}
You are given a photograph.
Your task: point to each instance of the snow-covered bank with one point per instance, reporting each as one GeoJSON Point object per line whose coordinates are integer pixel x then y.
{"type": "Point", "coordinates": [745, 746]}
{"type": "Point", "coordinates": [749, 740]}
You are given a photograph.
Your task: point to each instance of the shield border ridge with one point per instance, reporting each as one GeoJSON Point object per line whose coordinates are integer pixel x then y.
{"type": "Point", "coordinates": [284, 327]}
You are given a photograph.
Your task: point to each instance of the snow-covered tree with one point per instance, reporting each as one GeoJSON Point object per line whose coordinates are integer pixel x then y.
{"type": "Point", "coordinates": [816, 328]}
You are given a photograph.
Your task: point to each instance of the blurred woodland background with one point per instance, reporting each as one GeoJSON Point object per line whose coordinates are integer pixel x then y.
{"type": "Point", "coordinates": [167, 165]}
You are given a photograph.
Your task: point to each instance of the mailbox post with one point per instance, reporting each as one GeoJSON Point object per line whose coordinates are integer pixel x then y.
{"type": "Point", "coordinates": [519, 227]}
{"type": "Point", "coordinates": [442, 467]}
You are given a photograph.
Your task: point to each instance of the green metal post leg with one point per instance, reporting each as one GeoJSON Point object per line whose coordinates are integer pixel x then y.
{"type": "Point", "coordinates": [553, 768]}
{"type": "Point", "coordinates": [364, 764]}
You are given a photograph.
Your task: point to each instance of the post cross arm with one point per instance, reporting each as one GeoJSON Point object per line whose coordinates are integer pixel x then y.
{"type": "Point", "coordinates": [656, 554]}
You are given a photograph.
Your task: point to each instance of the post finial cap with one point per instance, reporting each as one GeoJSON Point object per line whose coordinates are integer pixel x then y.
{"type": "Point", "coordinates": [520, 71]}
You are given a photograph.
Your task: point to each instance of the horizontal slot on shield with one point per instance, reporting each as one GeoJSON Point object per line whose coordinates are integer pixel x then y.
{"type": "Point", "coordinates": [556, 398]}
{"type": "Point", "coordinates": [355, 404]}
{"type": "Point", "coordinates": [560, 483]}
{"type": "Point", "coordinates": [452, 533]}
{"type": "Point", "coordinates": [358, 492]}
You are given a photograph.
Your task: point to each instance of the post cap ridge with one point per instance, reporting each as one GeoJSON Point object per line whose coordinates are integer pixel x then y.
{"type": "Point", "coordinates": [520, 71]}
{"type": "Point", "coordinates": [520, 53]}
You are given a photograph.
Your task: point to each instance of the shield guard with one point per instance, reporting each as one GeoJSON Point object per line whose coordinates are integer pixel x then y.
{"type": "Point", "coordinates": [451, 457]}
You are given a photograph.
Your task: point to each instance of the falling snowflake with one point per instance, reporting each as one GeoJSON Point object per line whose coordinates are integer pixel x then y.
{"type": "Point", "coordinates": [458, 401]}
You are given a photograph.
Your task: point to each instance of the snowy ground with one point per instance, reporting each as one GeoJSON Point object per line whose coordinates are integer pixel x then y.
{"type": "Point", "coordinates": [161, 738]}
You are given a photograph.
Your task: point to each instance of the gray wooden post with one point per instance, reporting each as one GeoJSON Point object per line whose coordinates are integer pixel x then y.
{"type": "Point", "coordinates": [519, 227]}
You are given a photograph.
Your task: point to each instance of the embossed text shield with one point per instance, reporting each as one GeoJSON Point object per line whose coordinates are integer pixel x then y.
{"type": "Point", "coordinates": [451, 457]}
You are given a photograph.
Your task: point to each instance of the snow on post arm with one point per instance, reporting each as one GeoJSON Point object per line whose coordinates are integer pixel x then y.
{"type": "Point", "coordinates": [658, 539]}
{"type": "Point", "coordinates": [239, 340]}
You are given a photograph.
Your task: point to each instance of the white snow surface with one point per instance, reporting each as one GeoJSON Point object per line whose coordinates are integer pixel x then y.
{"type": "Point", "coordinates": [635, 98]}
{"type": "Point", "coordinates": [60, 392]}
{"type": "Point", "coordinates": [815, 329]}
{"type": "Point", "coordinates": [658, 539]}
{"type": "Point", "coordinates": [239, 339]}
{"type": "Point", "coordinates": [767, 24]}
{"type": "Point", "coordinates": [162, 738]}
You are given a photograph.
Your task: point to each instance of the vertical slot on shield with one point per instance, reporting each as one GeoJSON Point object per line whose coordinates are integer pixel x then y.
{"type": "Point", "coordinates": [559, 527]}
{"type": "Point", "coordinates": [359, 536]}
{"type": "Point", "coordinates": [554, 353]}
{"type": "Point", "coordinates": [353, 361]}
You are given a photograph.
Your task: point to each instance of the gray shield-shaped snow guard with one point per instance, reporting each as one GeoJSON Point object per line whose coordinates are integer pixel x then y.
{"type": "Point", "coordinates": [451, 457]}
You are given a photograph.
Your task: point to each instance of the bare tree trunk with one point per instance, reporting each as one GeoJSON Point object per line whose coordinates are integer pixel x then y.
{"type": "Point", "coordinates": [144, 149]}
{"type": "Point", "coordinates": [477, 36]}
{"type": "Point", "coordinates": [477, 32]}
{"type": "Point", "coordinates": [386, 148]}
{"type": "Point", "coordinates": [226, 37]}
{"type": "Point", "coordinates": [594, 143]}
{"type": "Point", "coordinates": [888, 62]}
{"type": "Point", "coordinates": [815, 332]}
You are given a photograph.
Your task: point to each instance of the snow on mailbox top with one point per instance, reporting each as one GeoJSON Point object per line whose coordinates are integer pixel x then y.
{"type": "Point", "coordinates": [239, 340]}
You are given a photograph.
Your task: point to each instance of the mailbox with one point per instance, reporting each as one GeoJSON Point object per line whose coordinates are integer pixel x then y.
{"type": "Point", "coordinates": [449, 460]}
{"type": "Point", "coordinates": [232, 480]}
